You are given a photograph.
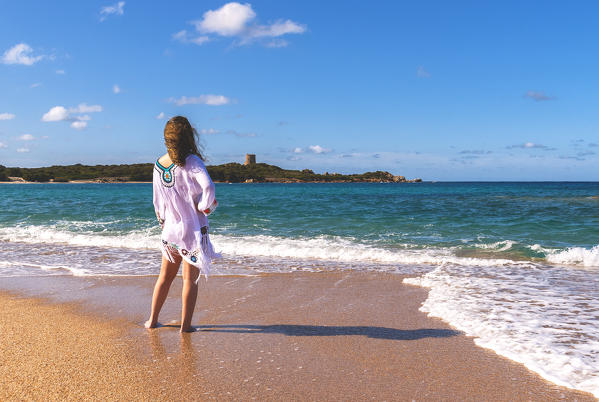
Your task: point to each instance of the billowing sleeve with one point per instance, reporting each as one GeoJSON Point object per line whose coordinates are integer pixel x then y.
{"type": "Point", "coordinates": [158, 202]}
{"type": "Point", "coordinates": [203, 178]}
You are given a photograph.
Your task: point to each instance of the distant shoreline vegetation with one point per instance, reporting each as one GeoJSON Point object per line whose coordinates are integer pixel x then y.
{"type": "Point", "coordinates": [226, 173]}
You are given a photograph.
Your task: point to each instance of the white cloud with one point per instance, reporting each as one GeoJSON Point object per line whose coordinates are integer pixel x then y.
{"type": "Point", "coordinates": [200, 40]}
{"type": "Point", "coordinates": [422, 73]}
{"type": "Point", "coordinates": [7, 116]}
{"type": "Point", "coordinates": [185, 37]}
{"type": "Point", "coordinates": [79, 125]}
{"type": "Point", "coordinates": [35, 85]}
{"type": "Point", "coordinates": [229, 20]}
{"type": "Point", "coordinates": [21, 150]}
{"type": "Point", "coordinates": [275, 43]}
{"type": "Point", "coordinates": [60, 72]}
{"type": "Point", "coordinates": [74, 114]}
{"type": "Point", "coordinates": [85, 108]}
{"type": "Point", "coordinates": [116, 9]}
{"type": "Point", "coordinates": [317, 149]}
{"type": "Point", "coordinates": [181, 35]}
{"type": "Point", "coordinates": [279, 28]}
{"type": "Point", "coordinates": [538, 96]}
{"type": "Point", "coordinates": [20, 54]}
{"type": "Point", "coordinates": [531, 145]}
{"type": "Point", "coordinates": [212, 100]}
{"type": "Point", "coordinates": [298, 150]}
{"type": "Point", "coordinates": [160, 116]}
{"type": "Point", "coordinates": [57, 113]}
{"type": "Point", "coordinates": [3, 145]}
{"type": "Point", "coordinates": [116, 89]}
{"type": "Point", "coordinates": [235, 20]}
{"type": "Point", "coordinates": [27, 137]}
{"type": "Point", "coordinates": [209, 131]}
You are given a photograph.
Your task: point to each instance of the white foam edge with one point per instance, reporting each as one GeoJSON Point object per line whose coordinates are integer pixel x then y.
{"type": "Point", "coordinates": [502, 245]}
{"type": "Point", "coordinates": [590, 385]}
{"type": "Point", "coordinates": [575, 256]}
{"type": "Point", "coordinates": [326, 248]}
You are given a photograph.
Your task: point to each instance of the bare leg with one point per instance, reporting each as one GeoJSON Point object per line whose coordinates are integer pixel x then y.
{"type": "Point", "coordinates": [168, 272]}
{"type": "Point", "coordinates": [189, 296]}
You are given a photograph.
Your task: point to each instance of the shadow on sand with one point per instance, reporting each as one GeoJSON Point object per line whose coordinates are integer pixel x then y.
{"type": "Point", "coordinates": [324, 330]}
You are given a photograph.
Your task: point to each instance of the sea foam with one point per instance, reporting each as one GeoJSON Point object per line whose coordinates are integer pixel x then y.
{"type": "Point", "coordinates": [324, 248]}
{"type": "Point", "coordinates": [575, 256]}
{"type": "Point", "coordinates": [543, 317]}
{"type": "Point", "coordinates": [334, 249]}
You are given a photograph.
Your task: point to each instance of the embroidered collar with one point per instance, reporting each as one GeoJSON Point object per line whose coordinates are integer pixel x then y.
{"type": "Point", "coordinates": [167, 174]}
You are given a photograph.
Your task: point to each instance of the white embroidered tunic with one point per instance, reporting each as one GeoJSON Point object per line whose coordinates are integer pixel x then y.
{"type": "Point", "coordinates": [180, 194]}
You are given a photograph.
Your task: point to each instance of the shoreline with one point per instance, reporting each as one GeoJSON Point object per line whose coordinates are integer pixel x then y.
{"type": "Point", "coordinates": [221, 182]}
{"type": "Point", "coordinates": [333, 335]}
{"type": "Point", "coordinates": [75, 182]}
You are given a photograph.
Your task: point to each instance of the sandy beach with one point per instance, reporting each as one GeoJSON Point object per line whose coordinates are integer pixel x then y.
{"type": "Point", "coordinates": [407, 193]}
{"type": "Point", "coordinates": [308, 336]}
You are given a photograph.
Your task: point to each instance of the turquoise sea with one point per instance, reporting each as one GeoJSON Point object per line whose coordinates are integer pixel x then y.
{"type": "Point", "coordinates": [514, 264]}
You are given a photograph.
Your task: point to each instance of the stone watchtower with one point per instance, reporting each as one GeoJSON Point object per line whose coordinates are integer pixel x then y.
{"type": "Point", "coordinates": [250, 159]}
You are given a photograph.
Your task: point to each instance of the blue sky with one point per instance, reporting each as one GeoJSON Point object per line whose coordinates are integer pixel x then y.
{"type": "Point", "coordinates": [438, 90]}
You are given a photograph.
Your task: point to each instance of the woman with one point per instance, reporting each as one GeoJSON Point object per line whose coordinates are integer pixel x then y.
{"type": "Point", "coordinates": [183, 197]}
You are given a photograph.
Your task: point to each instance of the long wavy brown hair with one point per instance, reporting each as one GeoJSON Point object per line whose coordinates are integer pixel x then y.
{"type": "Point", "coordinates": [181, 140]}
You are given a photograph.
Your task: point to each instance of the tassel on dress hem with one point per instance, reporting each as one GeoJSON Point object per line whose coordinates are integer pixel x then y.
{"type": "Point", "coordinates": [200, 258]}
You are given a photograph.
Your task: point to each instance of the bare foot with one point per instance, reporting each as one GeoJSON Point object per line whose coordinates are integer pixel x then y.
{"type": "Point", "coordinates": [187, 329]}
{"type": "Point", "coordinates": [149, 324]}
